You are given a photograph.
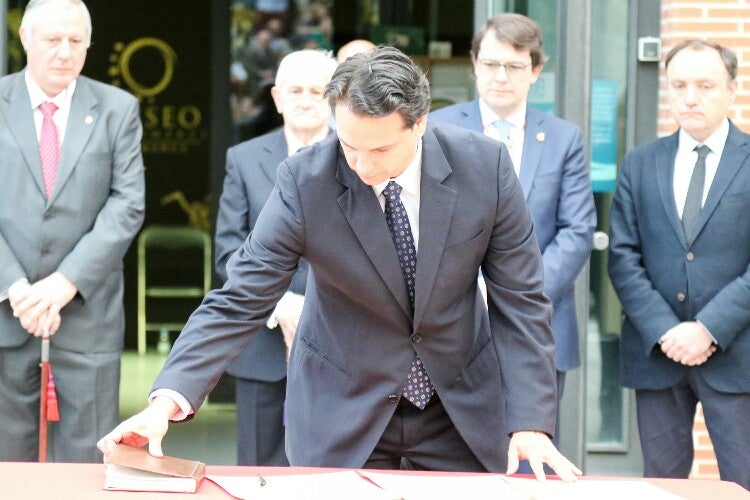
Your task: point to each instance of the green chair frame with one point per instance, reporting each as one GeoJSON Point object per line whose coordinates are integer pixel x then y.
{"type": "Point", "coordinates": [168, 238]}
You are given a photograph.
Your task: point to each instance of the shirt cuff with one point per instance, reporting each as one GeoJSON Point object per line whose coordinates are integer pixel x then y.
{"type": "Point", "coordinates": [713, 339]}
{"type": "Point", "coordinates": [179, 399]}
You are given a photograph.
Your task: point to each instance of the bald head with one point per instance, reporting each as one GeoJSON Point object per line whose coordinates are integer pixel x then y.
{"type": "Point", "coordinates": [353, 47]}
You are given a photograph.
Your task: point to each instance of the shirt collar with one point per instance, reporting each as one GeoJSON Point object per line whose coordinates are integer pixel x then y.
{"type": "Point", "coordinates": [410, 178]}
{"type": "Point", "coordinates": [37, 95]}
{"type": "Point", "coordinates": [715, 141]}
{"type": "Point", "coordinates": [517, 118]}
{"type": "Point", "coordinates": [294, 144]}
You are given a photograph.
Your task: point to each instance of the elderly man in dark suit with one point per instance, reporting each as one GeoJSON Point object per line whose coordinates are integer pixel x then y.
{"type": "Point", "coordinates": [260, 371]}
{"type": "Point", "coordinates": [396, 358]}
{"type": "Point", "coordinates": [680, 263]}
{"type": "Point", "coordinates": [71, 201]}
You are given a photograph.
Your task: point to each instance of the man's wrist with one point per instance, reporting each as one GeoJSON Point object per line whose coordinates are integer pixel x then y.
{"type": "Point", "coordinates": [165, 405]}
{"type": "Point", "coordinates": [14, 288]}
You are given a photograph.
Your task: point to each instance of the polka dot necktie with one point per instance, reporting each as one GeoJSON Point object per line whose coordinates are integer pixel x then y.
{"type": "Point", "coordinates": [49, 146]}
{"type": "Point", "coordinates": [417, 388]}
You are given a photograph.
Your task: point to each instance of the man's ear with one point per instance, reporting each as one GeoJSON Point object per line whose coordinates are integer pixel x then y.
{"type": "Point", "coordinates": [278, 99]}
{"type": "Point", "coordinates": [22, 34]}
{"type": "Point", "coordinates": [420, 125]}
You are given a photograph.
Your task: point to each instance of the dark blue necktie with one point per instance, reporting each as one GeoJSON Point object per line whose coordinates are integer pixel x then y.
{"type": "Point", "coordinates": [417, 388]}
{"type": "Point", "coordinates": [694, 198]}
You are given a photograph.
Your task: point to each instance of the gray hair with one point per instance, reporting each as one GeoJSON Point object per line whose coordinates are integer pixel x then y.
{"type": "Point", "coordinates": [380, 82]}
{"type": "Point", "coordinates": [29, 20]}
{"type": "Point", "coordinates": [314, 60]}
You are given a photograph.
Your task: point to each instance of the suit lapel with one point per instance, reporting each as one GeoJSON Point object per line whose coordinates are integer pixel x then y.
{"type": "Point", "coordinates": [733, 157]}
{"type": "Point", "coordinates": [437, 203]}
{"type": "Point", "coordinates": [20, 120]}
{"type": "Point", "coordinates": [532, 150]}
{"type": "Point", "coordinates": [665, 155]}
{"type": "Point", "coordinates": [81, 122]}
{"type": "Point", "coordinates": [362, 210]}
{"type": "Point", "coordinates": [276, 152]}
{"type": "Point", "coordinates": [470, 117]}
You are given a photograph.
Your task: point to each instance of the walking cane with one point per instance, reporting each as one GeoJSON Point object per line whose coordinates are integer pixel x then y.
{"type": "Point", "coordinates": [48, 410]}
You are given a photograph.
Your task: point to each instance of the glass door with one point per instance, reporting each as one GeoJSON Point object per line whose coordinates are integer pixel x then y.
{"type": "Point", "coordinates": [608, 406]}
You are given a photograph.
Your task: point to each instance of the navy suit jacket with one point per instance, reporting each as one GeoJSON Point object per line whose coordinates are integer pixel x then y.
{"type": "Point", "coordinates": [493, 367]}
{"type": "Point", "coordinates": [663, 279]}
{"type": "Point", "coordinates": [251, 174]}
{"type": "Point", "coordinates": [555, 181]}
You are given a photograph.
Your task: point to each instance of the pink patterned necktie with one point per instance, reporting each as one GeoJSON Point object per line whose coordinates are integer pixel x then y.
{"type": "Point", "coordinates": [49, 146]}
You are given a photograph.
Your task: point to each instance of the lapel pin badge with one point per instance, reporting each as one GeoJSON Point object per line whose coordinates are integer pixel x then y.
{"type": "Point", "coordinates": [540, 136]}
{"type": "Point", "coordinates": [88, 120]}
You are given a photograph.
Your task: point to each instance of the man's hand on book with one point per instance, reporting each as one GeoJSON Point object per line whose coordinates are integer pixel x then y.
{"type": "Point", "coordinates": [148, 426]}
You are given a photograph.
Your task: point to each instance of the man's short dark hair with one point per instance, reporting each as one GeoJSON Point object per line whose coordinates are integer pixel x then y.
{"type": "Point", "coordinates": [517, 30]}
{"type": "Point", "coordinates": [380, 82]}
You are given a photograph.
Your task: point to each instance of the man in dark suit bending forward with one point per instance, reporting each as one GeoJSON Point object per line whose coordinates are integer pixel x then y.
{"type": "Point", "coordinates": [396, 359]}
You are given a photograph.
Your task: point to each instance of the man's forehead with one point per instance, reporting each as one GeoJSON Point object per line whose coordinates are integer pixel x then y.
{"type": "Point", "coordinates": [302, 78]}
{"type": "Point", "coordinates": [696, 64]}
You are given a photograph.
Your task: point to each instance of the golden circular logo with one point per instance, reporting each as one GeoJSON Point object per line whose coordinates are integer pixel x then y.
{"type": "Point", "coordinates": [126, 52]}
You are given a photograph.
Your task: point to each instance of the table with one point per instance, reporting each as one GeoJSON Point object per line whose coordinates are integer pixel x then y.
{"type": "Point", "coordinates": [84, 482]}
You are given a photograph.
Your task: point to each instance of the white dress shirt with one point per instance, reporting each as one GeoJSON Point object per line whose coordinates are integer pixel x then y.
{"type": "Point", "coordinates": [61, 100]}
{"type": "Point", "coordinates": [409, 181]}
{"type": "Point", "coordinates": [684, 163]}
{"type": "Point", "coordinates": [517, 119]}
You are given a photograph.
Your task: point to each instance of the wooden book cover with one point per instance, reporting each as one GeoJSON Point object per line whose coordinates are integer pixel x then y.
{"type": "Point", "coordinates": [134, 469]}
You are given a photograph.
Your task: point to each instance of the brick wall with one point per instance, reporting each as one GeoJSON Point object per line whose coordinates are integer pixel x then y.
{"type": "Point", "coordinates": [726, 22]}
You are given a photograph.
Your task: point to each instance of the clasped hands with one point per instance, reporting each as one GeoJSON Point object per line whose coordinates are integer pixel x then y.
{"type": "Point", "coordinates": [688, 343]}
{"type": "Point", "coordinates": [37, 306]}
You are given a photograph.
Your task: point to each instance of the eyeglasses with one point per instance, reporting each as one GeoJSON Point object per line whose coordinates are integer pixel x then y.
{"type": "Point", "coordinates": [490, 67]}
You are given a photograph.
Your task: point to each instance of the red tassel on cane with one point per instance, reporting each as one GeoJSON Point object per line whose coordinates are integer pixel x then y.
{"type": "Point", "coordinates": [53, 414]}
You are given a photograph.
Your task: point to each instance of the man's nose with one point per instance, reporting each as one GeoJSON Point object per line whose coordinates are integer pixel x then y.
{"type": "Point", "coordinates": [691, 94]}
{"type": "Point", "coordinates": [501, 74]}
{"type": "Point", "coordinates": [364, 164]}
{"type": "Point", "coordinates": [64, 49]}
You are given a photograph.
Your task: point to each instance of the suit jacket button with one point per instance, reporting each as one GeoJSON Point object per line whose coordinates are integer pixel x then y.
{"type": "Point", "coordinates": [416, 338]}
{"type": "Point", "coordinates": [681, 297]}
{"type": "Point", "coordinates": [393, 398]}
{"type": "Point", "coordinates": [690, 256]}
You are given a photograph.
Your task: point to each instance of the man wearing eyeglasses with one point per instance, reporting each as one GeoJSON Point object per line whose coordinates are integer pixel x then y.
{"type": "Point", "coordinates": [548, 158]}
